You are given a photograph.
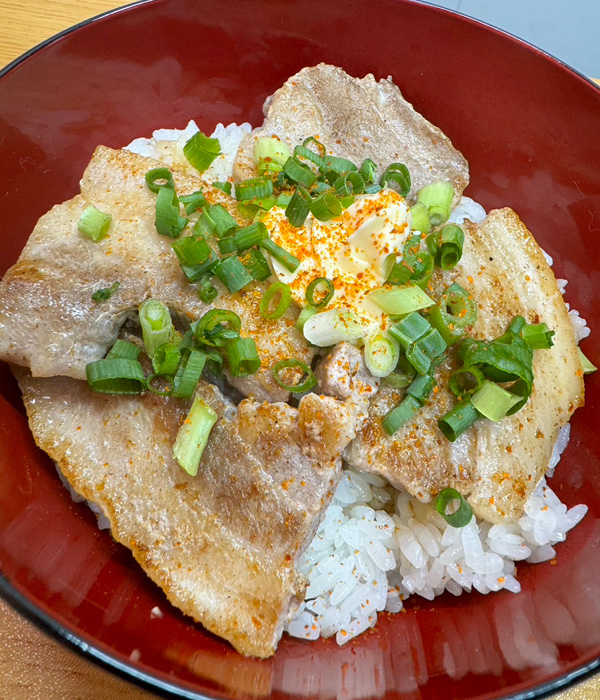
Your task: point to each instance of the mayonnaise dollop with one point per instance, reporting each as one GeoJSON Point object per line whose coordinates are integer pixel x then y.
{"type": "Point", "coordinates": [351, 250]}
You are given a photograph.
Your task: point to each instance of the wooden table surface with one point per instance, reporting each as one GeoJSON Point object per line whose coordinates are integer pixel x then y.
{"type": "Point", "coordinates": [32, 665]}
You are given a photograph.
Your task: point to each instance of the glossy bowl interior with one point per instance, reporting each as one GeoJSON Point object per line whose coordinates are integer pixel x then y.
{"type": "Point", "coordinates": [529, 128]}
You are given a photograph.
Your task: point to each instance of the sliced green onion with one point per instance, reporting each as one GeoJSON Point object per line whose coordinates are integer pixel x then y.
{"type": "Point", "coordinates": [271, 148]}
{"type": "Point", "coordinates": [205, 225]}
{"type": "Point", "coordinates": [289, 261]}
{"type": "Point", "coordinates": [206, 290]}
{"type": "Point", "coordinates": [156, 323]}
{"type": "Point", "coordinates": [422, 268]}
{"type": "Point", "coordinates": [106, 292]}
{"type": "Point", "coordinates": [94, 224]}
{"type": "Point", "coordinates": [298, 172]}
{"type": "Point", "coordinates": [197, 272]}
{"type": "Point", "coordinates": [233, 274]}
{"type": "Point", "coordinates": [381, 354]}
{"type": "Point", "coordinates": [465, 381]}
{"type": "Point", "coordinates": [305, 152]}
{"type": "Point", "coordinates": [419, 359]}
{"type": "Point", "coordinates": [188, 373]}
{"type": "Point", "coordinates": [283, 200]}
{"type": "Point", "coordinates": [367, 170]}
{"type": "Point", "coordinates": [437, 197]}
{"type": "Point", "coordinates": [304, 315]}
{"type": "Point", "coordinates": [351, 183]}
{"type": "Point", "coordinates": [347, 201]}
{"type": "Point", "coordinates": [324, 295]}
{"type": "Point", "coordinates": [400, 273]}
{"type": "Point", "coordinates": [222, 219]}
{"type": "Point", "coordinates": [253, 188]}
{"type": "Point", "coordinates": [227, 245]}
{"type": "Point", "coordinates": [191, 250]}
{"type": "Point", "coordinates": [538, 336]}
{"type": "Point", "coordinates": [166, 359]}
{"type": "Point", "coordinates": [400, 414]}
{"type": "Point", "coordinates": [223, 186]}
{"type": "Point", "coordinates": [116, 375]}
{"type": "Point", "coordinates": [373, 189]}
{"type": "Point", "coordinates": [301, 386]}
{"type": "Point", "coordinates": [243, 357]}
{"type": "Point", "coordinates": [492, 401]}
{"type": "Point", "coordinates": [334, 325]}
{"type": "Point", "coordinates": [201, 150]}
{"type": "Point", "coordinates": [450, 240]}
{"type": "Point", "coordinates": [211, 328]}
{"type": "Point", "coordinates": [193, 435]}
{"type": "Point", "coordinates": [461, 516]}
{"type": "Point", "coordinates": [409, 329]}
{"type": "Point", "coordinates": [326, 207]}
{"type": "Point", "coordinates": [268, 167]}
{"type": "Point", "coordinates": [285, 297]}
{"type": "Point", "coordinates": [586, 365]}
{"type": "Point", "coordinates": [124, 350]}
{"type": "Point", "coordinates": [165, 379]}
{"type": "Point", "coordinates": [167, 220]}
{"type": "Point", "coordinates": [454, 311]}
{"type": "Point", "coordinates": [256, 264]}
{"type": "Point", "coordinates": [396, 173]}
{"type": "Point", "coordinates": [422, 387]}
{"type": "Point", "coordinates": [432, 344]}
{"type": "Point", "coordinates": [398, 301]}
{"type": "Point", "coordinates": [194, 201]}
{"type": "Point", "coordinates": [299, 207]}
{"type": "Point", "coordinates": [420, 218]}
{"type": "Point", "coordinates": [159, 177]}
{"type": "Point", "coordinates": [458, 420]}
{"type": "Point", "coordinates": [337, 165]}
{"type": "Point", "coordinates": [251, 235]}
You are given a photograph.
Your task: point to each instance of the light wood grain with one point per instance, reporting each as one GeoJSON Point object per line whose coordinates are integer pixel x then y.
{"type": "Point", "coordinates": [32, 665]}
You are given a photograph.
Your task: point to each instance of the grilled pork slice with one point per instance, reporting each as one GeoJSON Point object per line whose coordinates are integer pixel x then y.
{"type": "Point", "coordinates": [48, 320]}
{"type": "Point", "coordinates": [223, 544]}
{"type": "Point", "coordinates": [496, 464]}
{"type": "Point", "coordinates": [356, 118]}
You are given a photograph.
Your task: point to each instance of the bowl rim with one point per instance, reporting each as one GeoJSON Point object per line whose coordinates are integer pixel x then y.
{"type": "Point", "coordinates": [148, 681]}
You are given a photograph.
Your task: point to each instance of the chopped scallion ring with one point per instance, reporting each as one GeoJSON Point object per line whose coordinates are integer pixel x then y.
{"type": "Point", "coordinates": [301, 386]}
{"type": "Point", "coordinates": [168, 222]}
{"type": "Point", "coordinates": [289, 261]}
{"type": "Point", "coordinates": [586, 365]}
{"type": "Point", "coordinates": [458, 518]}
{"type": "Point", "coordinates": [458, 420]}
{"type": "Point", "coordinates": [437, 197]}
{"type": "Point", "coordinates": [193, 435]}
{"type": "Point", "coordinates": [326, 207]}
{"type": "Point", "coordinates": [116, 375]}
{"type": "Point", "coordinates": [492, 401]}
{"type": "Point", "coordinates": [465, 381]}
{"type": "Point", "coordinates": [211, 328]}
{"type": "Point", "coordinates": [381, 354]}
{"type": "Point", "coordinates": [200, 151]}
{"type": "Point", "coordinates": [166, 359]}
{"type": "Point", "coordinates": [243, 357]}
{"type": "Point", "coordinates": [253, 188]}
{"type": "Point", "coordinates": [159, 177]}
{"type": "Point", "coordinates": [124, 350]}
{"type": "Point", "coordinates": [400, 414]}
{"type": "Point", "coordinates": [250, 235]}
{"type": "Point", "coordinates": [271, 149]}
{"type": "Point", "coordinates": [94, 224]}
{"type": "Point", "coordinates": [298, 172]}
{"type": "Point", "coordinates": [166, 380]}
{"type": "Point", "coordinates": [188, 373]}
{"type": "Point", "coordinates": [156, 323]}
{"type": "Point", "coordinates": [398, 301]}
{"type": "Point", "coordinates": [396, 173]}
{"type": "Point", "coordinates": [316, 295]}
{"type": "Point", "coordinates": [285, 298]}
{"type": "Point", "coordinates": [233, 274]}
{"type": "Point", "coordinates": [304, 315]}
{"type": "Point", "coordinates": [298, 207]}
{"type": "Point", "coordinates": [193, 202]}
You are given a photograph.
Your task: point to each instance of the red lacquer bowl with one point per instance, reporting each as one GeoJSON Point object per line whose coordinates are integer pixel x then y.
{"type": "Point", "coordinates": [529, 127]}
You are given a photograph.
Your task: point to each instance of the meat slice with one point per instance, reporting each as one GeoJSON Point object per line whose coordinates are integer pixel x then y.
{"type": "Point", "coordinates": [48, 320]}
{"type": "Point", "coordinates": [343, 374]}
{"type": "Point", "coordinates": [497, 464]}
{"type": "Point", "coordinates": [222, 545]}
{"type": "Point", "coordinates": [357, 118]}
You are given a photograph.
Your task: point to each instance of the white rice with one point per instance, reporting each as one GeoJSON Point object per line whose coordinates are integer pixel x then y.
{"type": "Point", "coordinates": [377, 546]}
